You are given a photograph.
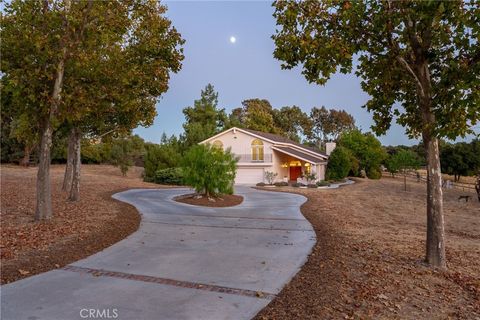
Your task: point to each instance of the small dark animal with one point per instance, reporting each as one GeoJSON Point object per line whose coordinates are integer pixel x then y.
{"type": "Point", "coordinates": [464, 197]}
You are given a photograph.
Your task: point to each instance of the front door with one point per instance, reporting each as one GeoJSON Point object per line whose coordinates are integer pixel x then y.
{"type": "Point", "coordinates": [295, 172]}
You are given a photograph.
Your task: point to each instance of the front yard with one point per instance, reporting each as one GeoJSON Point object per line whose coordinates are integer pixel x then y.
{"type": "Point", "coordinates": [367, 262]}
{"type": "Point", "coordinates": [77, 230]}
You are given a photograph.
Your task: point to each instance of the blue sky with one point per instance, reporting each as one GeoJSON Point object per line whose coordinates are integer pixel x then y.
{"type": "Point", "coordinates": [245, 69]}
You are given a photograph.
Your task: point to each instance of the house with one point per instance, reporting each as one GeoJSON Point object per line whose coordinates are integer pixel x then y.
{"type": "Point", "coordinates": [259, 152]}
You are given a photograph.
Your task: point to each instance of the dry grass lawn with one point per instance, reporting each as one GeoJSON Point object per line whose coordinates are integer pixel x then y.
{"type": "Point", "coordinates": [368, 261]}
{"type": "Point", "coordinates": [77, 230]}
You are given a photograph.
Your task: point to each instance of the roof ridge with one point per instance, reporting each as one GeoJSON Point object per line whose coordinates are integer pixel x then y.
{"type": "Point", "coordinates": [283, 139]}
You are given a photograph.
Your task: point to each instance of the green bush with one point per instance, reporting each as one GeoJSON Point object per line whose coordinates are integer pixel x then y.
{"type": "Point", "coordinates": [365, 148]}
{"type": "Point", "coordinates": [298, 184]}
{"type": "Point", "coordinates": [209, 170]}
{"type": "Point", "coordinates": [281, 184]}
{"type": "Point", "coordinates": [161, 156]}
{"type": "Point", "coordinates": [323, 183]}
{"type": "Point", "coordinates": [339, 164]}
{"type": "Point", "coordinates": [260, 184]}
{"type": "Point", "coordinates": [374, 173]}
{"type": "Point", "coordinates": [169, 176]}
{"type": "Point", "coordinates": [312, 185]}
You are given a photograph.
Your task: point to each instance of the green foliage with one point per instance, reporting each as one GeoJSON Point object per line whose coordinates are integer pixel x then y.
{"type": "Point", "coordinates": [327, 125]}
{"type": "Point", "coordinates": [461, 159]}
{"type": "Point", "coordinates": [162, 156]}
{"type": "Point", "coordinates": [281, 184]}
{"type": "Point", "coordinates": [204, 119]}
{"type": "Point", "coordinates": [298, 185]}
{"type": "Point", "coordinates": [96, 153]}
{"type": "Point", "coordinates": [323, 183]}
{"type": "Point", "coordinates": [366, 149]}
{"type": "Point", "coordinates": [209, 169]}
{"type": "Point", "coordinates": [339, 164]}
{"type": "Point", "coordinates": [413, 54]}
{"type": "Point", "coordinates": [374, 173]}
{"type": "Point", "coordinates": [172, 176]}
{"type": "Point", "coordinates": [118, 60]}
{"type": "Point", "coordinates": [402, 161]}
{"type": "Point", "coordinates": [292, 122]}
{"type": "Point", "coordinates": [255, 114]}
{"type": "Point", "coordinates": [311, 177]}
{"type": "Point", "coordinates": [125, 151]}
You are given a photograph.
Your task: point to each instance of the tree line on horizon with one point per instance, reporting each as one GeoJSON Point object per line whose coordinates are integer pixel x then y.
{"type": "Point", "coordinates": [357, 151]}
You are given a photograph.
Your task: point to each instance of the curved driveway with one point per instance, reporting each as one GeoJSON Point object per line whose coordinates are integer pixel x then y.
{"type": "Point", "coordinates": [184, 262]}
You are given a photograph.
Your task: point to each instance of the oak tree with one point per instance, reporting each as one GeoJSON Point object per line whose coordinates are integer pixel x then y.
{"type": "Point", "coordinates": [418, 60]}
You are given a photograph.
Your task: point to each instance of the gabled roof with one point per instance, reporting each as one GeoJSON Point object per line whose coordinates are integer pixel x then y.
{"type": "Point", "coordinates": [282, 139]}
{"type": "Point", "coordinates": [278, 139]}
{"type": "Point", "coordinates": [299, 154]}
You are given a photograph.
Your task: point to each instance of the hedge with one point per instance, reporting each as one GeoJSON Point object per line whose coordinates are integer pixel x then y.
{"type": "Point", "coordinates": [169, 176]}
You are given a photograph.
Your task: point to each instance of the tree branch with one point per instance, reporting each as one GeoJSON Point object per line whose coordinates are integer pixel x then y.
{"type": "Point", "coordinates": [396, 49]}
{"type": "Point", "coordinates": [410, 70]}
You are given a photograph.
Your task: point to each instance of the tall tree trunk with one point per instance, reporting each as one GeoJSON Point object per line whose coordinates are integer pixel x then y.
{"type": "Point", "coordinates": [67, 178]}
{"type": "Point", "coordinates": [27, 151]}
{"type": "Point", "coordinates": [75, 186]}
{"type": "Point", "coordinates": [43, 208]}
{"type": "Point", "coordinates": [435, 255]}
{"type": "Point", "coordinates": [435, 223]}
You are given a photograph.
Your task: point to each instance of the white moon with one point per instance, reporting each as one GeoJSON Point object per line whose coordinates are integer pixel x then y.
{"type": "Point", "coordinates": [233, 39]}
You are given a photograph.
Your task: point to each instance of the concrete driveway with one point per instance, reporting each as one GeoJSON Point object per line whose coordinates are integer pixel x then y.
{"type": "Point", "coordinates": [184, 262]}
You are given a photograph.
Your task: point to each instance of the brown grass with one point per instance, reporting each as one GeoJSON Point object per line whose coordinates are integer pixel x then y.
{"type": "Point", "coordinates": [463, 179]}
{"type": "Point", "coordinates": [368, 261]}
{"type": "Point", "coordinates": [77, 230]}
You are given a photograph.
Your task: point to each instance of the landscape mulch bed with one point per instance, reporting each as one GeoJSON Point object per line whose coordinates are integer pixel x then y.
{"type": "Point", "coordinates": [227, 200]}
{"type": "Point", "coordinates": [368, 259]}
{"type": "Point", "coordinates": [77, 229]}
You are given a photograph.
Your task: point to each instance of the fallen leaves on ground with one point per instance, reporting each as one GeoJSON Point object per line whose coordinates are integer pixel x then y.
{"type": "Point", "coordinates": [368, 259]}
{"type": "Point", "coordinates": [77, 229]}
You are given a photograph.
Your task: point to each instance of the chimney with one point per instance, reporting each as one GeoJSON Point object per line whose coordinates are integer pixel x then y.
{"type": "Point", "coordinates": [329, 146]}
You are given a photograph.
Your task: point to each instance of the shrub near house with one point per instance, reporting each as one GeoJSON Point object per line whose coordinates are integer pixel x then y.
{"type": "Point", "coordinates": [339, 164]}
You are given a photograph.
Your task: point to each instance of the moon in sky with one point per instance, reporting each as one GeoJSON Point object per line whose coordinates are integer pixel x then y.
{"type": "Point", "coordinates": [233, 39]}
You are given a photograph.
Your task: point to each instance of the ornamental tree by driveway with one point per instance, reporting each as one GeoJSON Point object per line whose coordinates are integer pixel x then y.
{"type": "Point", "coordinates": [418, 60]}
{"type": "Point", "coordinates": [209, 170]}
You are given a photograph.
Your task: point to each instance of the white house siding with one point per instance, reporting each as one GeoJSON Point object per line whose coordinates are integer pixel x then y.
{"type": "Point", "coordinates": [241, 143]}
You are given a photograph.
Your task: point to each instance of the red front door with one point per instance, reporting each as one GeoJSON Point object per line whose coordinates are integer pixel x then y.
{"type": "Point", "coordinates": [295, 172]}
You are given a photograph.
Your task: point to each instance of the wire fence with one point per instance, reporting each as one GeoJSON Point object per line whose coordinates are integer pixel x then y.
{"type": "Point", "coordinates": [414, 175]}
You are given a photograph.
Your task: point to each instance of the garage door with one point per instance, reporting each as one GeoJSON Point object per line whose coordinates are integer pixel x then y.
{"type": "Point", "coordinates": [249, 175]}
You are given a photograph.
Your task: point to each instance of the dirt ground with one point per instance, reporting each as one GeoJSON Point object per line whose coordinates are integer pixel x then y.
{"type": "Point", "coordinates": [225, 200]}
{"type": "Point", "coordinates": [368, 260]}
{"type": "Point", "coordinates": [77, 230]}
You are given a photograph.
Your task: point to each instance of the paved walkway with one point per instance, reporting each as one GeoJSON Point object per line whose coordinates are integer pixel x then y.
{"type": "Point", "coordinates": [184, 262]}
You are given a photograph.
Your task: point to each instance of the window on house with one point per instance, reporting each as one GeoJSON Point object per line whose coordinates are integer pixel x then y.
{"type": "Point", "coordinates": [218, 144]}
{"type": "Point", "coordinates": [308, 168]}
{"type": "Point", "coordinates": [257, 150]}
